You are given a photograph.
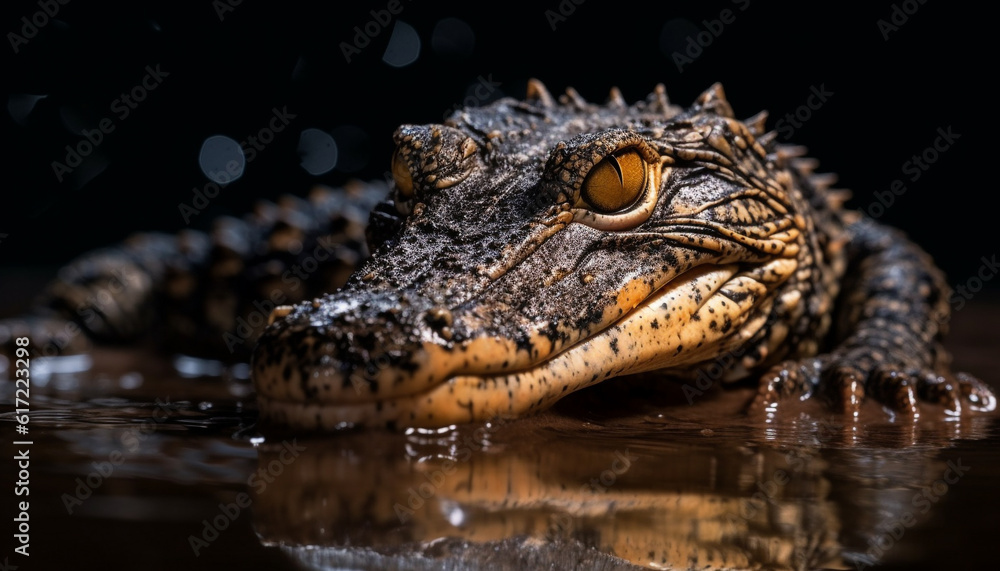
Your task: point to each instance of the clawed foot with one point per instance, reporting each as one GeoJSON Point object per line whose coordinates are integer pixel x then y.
{"type": "Point", "coordinates": [845, 383]}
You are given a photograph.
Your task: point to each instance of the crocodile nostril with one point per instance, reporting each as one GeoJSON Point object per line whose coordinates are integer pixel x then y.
{"type": "Point", "coordinates": [441, 320]}
{"type": "Point", "coordinates": [439, 317]}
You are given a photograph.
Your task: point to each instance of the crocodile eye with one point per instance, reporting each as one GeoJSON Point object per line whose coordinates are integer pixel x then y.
{"type": "Point", "coordinates": [401, 174]}
{"type": "Point", "coordinates": [616, 182]}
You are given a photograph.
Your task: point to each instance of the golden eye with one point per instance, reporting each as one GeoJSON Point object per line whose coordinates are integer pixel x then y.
{"type": "Point", "coordinates": [401, 174]}
{"type": "Point", "coordinates": [616, 182]}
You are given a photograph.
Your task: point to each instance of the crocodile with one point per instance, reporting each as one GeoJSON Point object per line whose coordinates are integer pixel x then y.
{"type": "Point", "coordinates": [532, 248]}
{"type": "Point", "coordinates": [525, 250]}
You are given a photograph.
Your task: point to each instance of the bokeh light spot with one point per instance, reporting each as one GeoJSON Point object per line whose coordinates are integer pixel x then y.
{"type": "Point", "coordinates": [221, 159]}
{"type": "Point", "coordinates": [674, 34]}
{"type": "Point", "coordinates": [318, 151]}
{"type": "Point", "coordinates": [404, 45]}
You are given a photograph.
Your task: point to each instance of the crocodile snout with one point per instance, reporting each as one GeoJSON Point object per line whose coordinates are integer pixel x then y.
{"type": "Point", "coordinates": [346, 349]}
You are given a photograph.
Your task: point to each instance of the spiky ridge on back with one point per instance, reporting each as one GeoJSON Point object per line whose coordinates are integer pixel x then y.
{"type": "Point", "coordinates": [512, 131]}
{"type": "Point", "coordinates": [535, 124]}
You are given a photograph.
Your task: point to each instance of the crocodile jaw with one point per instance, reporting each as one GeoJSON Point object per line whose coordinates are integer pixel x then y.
{"type": "Point", "coordinates": [671, 329]}
{"type": "Point", "coordinates": [528, 249]}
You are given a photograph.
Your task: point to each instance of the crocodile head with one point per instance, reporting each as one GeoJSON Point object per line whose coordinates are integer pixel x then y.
{"type": "Point", "coordinates": [532, 248]}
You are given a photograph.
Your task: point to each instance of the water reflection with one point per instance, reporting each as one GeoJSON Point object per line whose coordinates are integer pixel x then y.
{"type": "Point", "coordinates": [813, 494]}
{"type": "Point", "coordinates": [615, 478]}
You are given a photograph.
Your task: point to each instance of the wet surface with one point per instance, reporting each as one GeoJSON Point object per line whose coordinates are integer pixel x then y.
{"type": "Point", "coordinates": [136, 466]}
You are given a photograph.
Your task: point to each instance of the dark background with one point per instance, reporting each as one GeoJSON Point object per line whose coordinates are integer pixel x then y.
{"type": "Point", "coordinates": [889, 97]}
{"type": "Point", "coordinates": [225, 75]}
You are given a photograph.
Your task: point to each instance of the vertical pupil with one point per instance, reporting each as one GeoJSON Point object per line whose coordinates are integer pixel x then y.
{"type": "Point", "coordinates": [618, 168]}
{"type": "Point", "coordinates": [633, 170]}
{"type": "Point", "coordinates": [615, 182]}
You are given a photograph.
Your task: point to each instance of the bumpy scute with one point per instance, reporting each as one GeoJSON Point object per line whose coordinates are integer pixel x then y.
{"type": "Point", "coordinates": [533, 248]}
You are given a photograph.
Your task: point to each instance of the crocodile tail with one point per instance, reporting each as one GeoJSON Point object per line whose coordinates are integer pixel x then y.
{"type": "Point", "coordinates": [203, 294]}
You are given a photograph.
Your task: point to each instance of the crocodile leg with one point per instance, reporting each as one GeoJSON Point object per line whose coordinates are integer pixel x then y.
{"type": "Point", "coordinates": [892, 313]}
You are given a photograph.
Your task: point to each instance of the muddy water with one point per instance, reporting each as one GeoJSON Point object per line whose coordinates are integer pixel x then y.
{"type": "Point", "coordinates": [135, 466]}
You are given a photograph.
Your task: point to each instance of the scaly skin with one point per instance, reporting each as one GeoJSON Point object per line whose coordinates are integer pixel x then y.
{"type": "Point", "coordinates": [529, 249]}
{"type": "Point", "coordinates": [202, 294]}
{"type": "Point", "coordinates": [507, 273]}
